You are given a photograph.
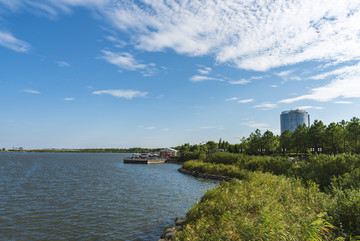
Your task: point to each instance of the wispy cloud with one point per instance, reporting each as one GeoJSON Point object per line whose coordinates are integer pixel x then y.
{"type": "Point", "coordinates": [345, 84]}
{"type": "Point", "coordinates": [270, 34]}
{"type": "Point", "coordinates": [201, 78]}
{"type": "Point", "coordinates": [266, 106]}
{"type": "Point", "coordinates": [63, 64]}
{"type": "Point", "coordinates": [118, 43]}
{"type": "Point", "coordinates": [239, 82]}
{"type": "Point", "coordinates": [69, 99]}
{"type": "Point", "coordinates": [122, 60]}
{"type": "Point", "coordinates": [146, 127]}
{"type": "Point", "coordinates": [204, 70]}
{"type": "Point", "coordinates": [7, 40]}
{"type": "Point", "coordinates": [126, 94]}
{"type": "Point", "coordinates": [204, 75]}
{"type": "Point", "coordinates": [232, 98]}
{"type": "Point", "coordinates": [309, 107]}
{"type": "Point", "coordinates": [274, 86]}
{"type": "Point", "coordinates": [258, 36]}
{"type": "Point", "coordinates": [31, 91]}
{"type": "Point", "coordinates": [246, 101]}
{"type": "Point", "coordinates": [285, 73]}
{"type": "Point", "coordinates": [343, 102]}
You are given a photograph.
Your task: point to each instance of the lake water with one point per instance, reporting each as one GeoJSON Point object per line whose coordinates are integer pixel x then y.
{"type": "Point", "coordinates": [81, 196]}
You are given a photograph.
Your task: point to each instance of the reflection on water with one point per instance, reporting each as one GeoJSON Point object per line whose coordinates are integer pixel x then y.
{"type": "Point", "coordinates": [52, 196]}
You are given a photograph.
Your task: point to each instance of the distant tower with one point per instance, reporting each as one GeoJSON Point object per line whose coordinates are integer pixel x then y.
{"type": "Point", "coordinates": [290, 119]}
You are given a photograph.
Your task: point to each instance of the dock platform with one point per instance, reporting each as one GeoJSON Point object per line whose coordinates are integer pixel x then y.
{"type": "Point", "coordinates": [143, 160]}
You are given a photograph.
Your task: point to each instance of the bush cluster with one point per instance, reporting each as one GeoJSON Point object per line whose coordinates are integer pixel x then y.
{"type": "Point", "coordinates": [337, 176]}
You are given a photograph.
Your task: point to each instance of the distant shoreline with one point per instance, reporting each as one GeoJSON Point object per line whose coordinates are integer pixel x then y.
{"type": "Point", "coordinates": [91, 150]}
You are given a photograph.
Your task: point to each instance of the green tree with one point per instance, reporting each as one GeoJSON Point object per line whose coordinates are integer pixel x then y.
{"type": "Point", "coordinates": [285, 141]}
{"type": "Point", "coordinates": [255, 142]}
{"type": "Point", "coordinates": [269, 142]}
{"type": "Point", "coordinates": [353, 128]}
{"type": "Point", "coordinates": [244, 145]}
{"type": "Point", "coordinates": [343, 125]}
{"type": "Point", "coordinates": [300, 138]}
{"type": "Point", "coordinates": [212, 145]}
{"type": "Point", "coordinates": [316, 135]}
{"type": "Point", "coordinates": [333, 138]}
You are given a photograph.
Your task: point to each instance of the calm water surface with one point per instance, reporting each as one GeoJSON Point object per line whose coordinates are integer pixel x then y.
{"type": "Point", "coordinates": [63, 196]}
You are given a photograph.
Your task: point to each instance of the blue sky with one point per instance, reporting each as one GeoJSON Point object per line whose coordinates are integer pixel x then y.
{"type": "Point", "coordinates": [109, 73]}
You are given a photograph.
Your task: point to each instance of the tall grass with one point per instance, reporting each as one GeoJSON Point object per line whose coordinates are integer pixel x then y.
{"type": "Point", "coordinates": [264, 207]}
{"type": "Point", "coordinates": [339, 176]}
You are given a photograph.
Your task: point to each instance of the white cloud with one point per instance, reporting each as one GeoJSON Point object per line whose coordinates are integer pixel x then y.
{"type": "Point", "coordinates": [7, 40]}
{"type": "Point", "coordinates": [285, 73]}
{"type": "Point", "coordinates": [119, 43]}
{"type": "Point", "coordinates": [274, 86]}
{"type": "Point", "coordinates": [343, 102]}
{"type": "Point", "coordinates": [252, 35]}
{"type": "Point", "coordinates": [69, 99]}
{"type": "Point", "coordinates": [346, 84]}
{"type": "Point", "coordinates": [201, 78]}
{"type": "Point", "coordinates": [31, 91]}
{"type": "Point", "coordinates": [239, 82]}
{"type": "Point", "coordinates": [246, 101]}
{"type": "Point", "coordinates": [266, 106]}
{"type": "Point", "coordinates": [122, 60]}
{"type": "Point", "coordinates": [231, 99]}
{"type": "Point", "coordinates": [63, 64]}
{"type": "Point", "coordinates": [309, 107]}
{"type": "Point", "coordinates": [257, 36]}
{"type": "Point", "coordinates": [127, 94]}
{"type": "Point", "coordinates": [204, 70]}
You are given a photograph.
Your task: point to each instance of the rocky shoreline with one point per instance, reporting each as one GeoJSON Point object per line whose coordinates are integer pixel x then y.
{"type": "Point", "coordinates": [169, 233]}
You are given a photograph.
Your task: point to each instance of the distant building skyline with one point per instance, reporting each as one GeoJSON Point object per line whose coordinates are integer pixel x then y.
{"type": "Point", "coordinates": [290, 119]}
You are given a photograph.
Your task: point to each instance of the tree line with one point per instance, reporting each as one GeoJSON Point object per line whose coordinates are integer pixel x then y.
{"type": "Point", "coordinates": [335, 138]}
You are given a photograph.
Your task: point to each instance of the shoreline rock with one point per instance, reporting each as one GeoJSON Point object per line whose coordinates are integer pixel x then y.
{"type": "Point", "coordinates": [169, 233]}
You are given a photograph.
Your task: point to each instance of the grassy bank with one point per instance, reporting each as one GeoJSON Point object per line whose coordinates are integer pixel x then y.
{"type": "Point", "coordinates": [263, 207]}
{"type": "Point", "coordinates": [279, 198]}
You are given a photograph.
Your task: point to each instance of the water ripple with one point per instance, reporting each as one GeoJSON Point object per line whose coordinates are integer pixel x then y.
{"type": "Point", "coordinates": [59, 196]}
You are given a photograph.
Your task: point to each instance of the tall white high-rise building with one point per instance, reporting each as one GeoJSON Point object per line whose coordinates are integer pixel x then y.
{"type": "Point", "coordinates": [290, 119]}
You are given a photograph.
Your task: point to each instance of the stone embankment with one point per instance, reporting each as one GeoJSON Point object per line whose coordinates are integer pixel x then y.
{"type": "Point", "coordinates": [170, 232]}
{"type": "Point", "coordinates": [205, 175]}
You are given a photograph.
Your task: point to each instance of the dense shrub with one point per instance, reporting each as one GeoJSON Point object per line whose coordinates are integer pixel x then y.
{"type": "Point", "coordinates": [345, 212]}
{"type": "Point", "coordinates": [188, 155]}
{"type": "Point", "coordinates": [322, 168]}
{"type": "Point", "coordinates": [216, 169]}
{"type": "Point", "coordinates": [223, 158]}
{"type": "Point", "coordinates": [348, 180]}
{"type": "Point", "coordinates": [264, 207]}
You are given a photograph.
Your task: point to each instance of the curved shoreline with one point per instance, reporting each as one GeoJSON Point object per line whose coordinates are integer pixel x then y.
{"type": "Point", "coordinates": [170, 232]}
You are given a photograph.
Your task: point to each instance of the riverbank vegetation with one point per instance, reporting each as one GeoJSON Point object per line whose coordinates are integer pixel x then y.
{"type": "Point", "coordinates": [277, 198]}
{"type": "Point", "coordinates": [263, 207]}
